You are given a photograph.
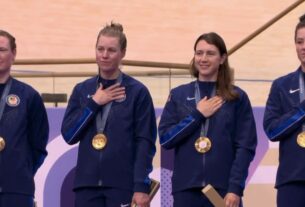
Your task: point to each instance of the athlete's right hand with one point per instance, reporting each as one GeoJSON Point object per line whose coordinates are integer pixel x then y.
{"type": "Point", "coordinates": [208, 107]}
{"type": "Point", "coordinates": [104, 96]}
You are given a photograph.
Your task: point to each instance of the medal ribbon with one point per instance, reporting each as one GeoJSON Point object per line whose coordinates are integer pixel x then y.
{"type": "Point", "coordinates": [4, 95]}
{"type": "Point", "coordinates": [302, 92]}
{"type": "Point", "coordinates": [205, 126]}
{"type": "Point", "coordinates": [101, 120]}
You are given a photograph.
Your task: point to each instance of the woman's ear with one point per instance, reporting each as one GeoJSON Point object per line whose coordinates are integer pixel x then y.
{"type": "Point", "coordinates": [223, 58]}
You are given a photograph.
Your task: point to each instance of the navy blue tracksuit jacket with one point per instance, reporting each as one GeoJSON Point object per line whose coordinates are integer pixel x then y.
{"type": "Point", "coordinates": [232, 132]}
{"type": "Point", "coordinates": [283, 119]}
{"type": "Point", "coordinates": [126, 161]}
{"type": "Point", "coordinates": [25, 128]}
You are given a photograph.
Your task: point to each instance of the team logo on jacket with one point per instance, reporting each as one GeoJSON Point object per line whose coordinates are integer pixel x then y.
{"type": "Point", "coordinates": [12, 100]}
{"type": "Point", "coordinates": [293, 91]}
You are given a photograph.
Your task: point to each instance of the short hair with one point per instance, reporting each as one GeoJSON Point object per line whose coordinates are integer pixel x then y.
{"type": "Point", "coordinates": [114, 30]}
{"type": "Point", "coordinates": [300, 25]}
{"type": "Point", "coordinates": [11, 38]}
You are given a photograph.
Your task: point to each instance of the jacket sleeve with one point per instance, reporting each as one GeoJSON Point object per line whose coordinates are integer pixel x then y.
{"type": "Point", "coordinates": [244, 143]}
{"type": "Point", "coordinates": [172, 129]}
{"type": "Point", "coordinates": [78, 114]}
{"type": "Point", "coordinates": [38, 129]}
{"type": "Point", "coordinates": [145, 138]}
{"type": "Point", "coordinates": [277, 122]}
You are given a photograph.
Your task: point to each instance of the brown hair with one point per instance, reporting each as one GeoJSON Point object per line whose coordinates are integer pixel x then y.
{"type": "Point", "coordinates": [114, 30]}
{"type": "Point", "coordinates": [300, 25]}
{"type": "Point", "coordinates": [10, 37]}
{"type": "Point", "coordinates": [224, 85]}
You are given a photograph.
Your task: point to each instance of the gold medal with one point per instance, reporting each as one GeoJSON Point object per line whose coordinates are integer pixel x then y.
{"type": "Point", "coordinates": [2, 144]}
{"type": "Point", "coordinates": [99, 141]}
{"type": "Point", "coordinates": [301, 139]}
{"type": "Point", "coordinates": [203, 144]}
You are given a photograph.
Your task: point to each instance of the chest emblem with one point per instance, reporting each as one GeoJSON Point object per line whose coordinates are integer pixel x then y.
{"type": "Point", "coordinates": [293, 91]}
{"type": "Point", "coordinates": [12, 100]}
{"type": "Point", "coordinates": [190, 98]}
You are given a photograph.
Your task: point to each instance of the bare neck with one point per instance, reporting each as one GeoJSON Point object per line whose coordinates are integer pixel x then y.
{"type": "Point", "coordinates": [4, 77]}
{"type": "Point", "coordinates": [212, 78]}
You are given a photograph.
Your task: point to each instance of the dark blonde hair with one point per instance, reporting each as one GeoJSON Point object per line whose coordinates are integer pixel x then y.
{"type": "Point", "coordinates": [114, 30]}
{"type": "Point", "coordinates": [300, 25]}
{"type": "Point", "coordinates": [224, 85]}
{"type": "Point", "coordinates": [10, 38]}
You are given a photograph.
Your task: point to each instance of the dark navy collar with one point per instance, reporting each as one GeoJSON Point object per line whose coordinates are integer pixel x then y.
{"type": "Point", "coordinates": [106, 82]}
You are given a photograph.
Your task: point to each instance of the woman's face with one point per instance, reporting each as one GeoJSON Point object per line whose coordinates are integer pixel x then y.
{"type": "Point", "coordinates": [300, 45]}
{"type": "Point", "coordinates": [207, 60]}
{"type": "Point", "coordinates": [108, 54]}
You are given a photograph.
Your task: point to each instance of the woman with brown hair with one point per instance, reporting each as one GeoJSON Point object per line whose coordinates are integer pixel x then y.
{"type": "Point", "coordinates": [210, 125]}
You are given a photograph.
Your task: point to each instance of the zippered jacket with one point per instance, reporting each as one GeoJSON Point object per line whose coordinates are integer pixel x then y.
{"type": "Point", "coordinates": [232, 132]}
{"type": "Point", "coordinates": [126, 160]}
{"type": "Point", "coordinates": [283, 119]}
{"type": "Point", "coordinates": [25, 129]}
